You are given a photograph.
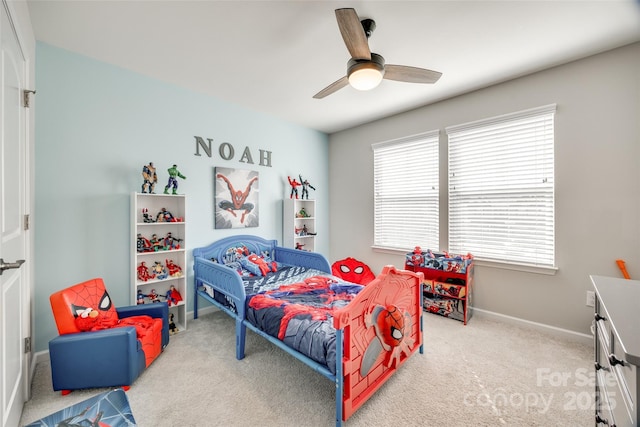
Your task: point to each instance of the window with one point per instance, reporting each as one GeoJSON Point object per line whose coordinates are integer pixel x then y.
{"type": "Point", "coordinates": [501, 188]}
{"type": "Point", "coordinates": [406, 192]}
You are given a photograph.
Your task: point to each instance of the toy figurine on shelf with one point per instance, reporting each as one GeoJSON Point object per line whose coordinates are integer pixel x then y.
{"type": "Point", "coordinates": [305, 187]}
{"type": "Point", "coordinates": [140, 297]}
{"type": "Point", "coordinates": [299, 246]}
{"type": "Point", "coordinates": [170, 242]}
{"type": "Point", "coordinates": [164, 216]}
{"type": "Point", "coordinates": [156, 243]}
{"type": "Point", "coordinates": [146, 217]}
{"type": "Point", "coordinates": [302, 214]}
{"type": "Point", "coordinates": [159, 271]}
{"type": "Point", "coordinates": [153, 296]}
{"type": "Point", "coordinates": [173, 296]}
{"type": "Point", "coordinates": [143, 244]}
{"type": "Point", "coordinates": [150, 178]}
{"type": "Point", "coordinates": [174, 269]}
{"type": "Point", "coordinates": [143, 272]}
{"type": "Point", "coordinates": [294, 187]}
{"type": "Point", "coordinates": [174, 173]}
{"type": "Point", "coordinates": [302, 232]}
{"type": "Point", "coordinates": [173, 329]}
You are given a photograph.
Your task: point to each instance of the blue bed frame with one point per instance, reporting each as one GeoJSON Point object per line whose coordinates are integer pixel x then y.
{"type": "Point", "coordinates": [222, 279]}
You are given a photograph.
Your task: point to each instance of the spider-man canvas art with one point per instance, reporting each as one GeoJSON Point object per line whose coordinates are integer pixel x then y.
{"type": "Point", "coordinates": [236, 198]}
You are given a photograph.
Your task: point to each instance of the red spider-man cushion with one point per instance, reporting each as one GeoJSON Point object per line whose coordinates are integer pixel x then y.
{"type": "Point", "coordinates": [87, 306]}
{"type": "Point", "coordinates": [82, 307]}
{"type": "Point", "coordinates": [352, 270]}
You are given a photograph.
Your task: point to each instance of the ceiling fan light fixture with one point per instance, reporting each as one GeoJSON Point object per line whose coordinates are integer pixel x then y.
{"type": "Point", "coordinates": [366, 74]}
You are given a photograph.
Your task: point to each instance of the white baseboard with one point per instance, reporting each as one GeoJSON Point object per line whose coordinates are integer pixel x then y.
{"type": "Point", "coordinates": [559, 332]}
{"type": "Point", "coordinates": [202, 311]}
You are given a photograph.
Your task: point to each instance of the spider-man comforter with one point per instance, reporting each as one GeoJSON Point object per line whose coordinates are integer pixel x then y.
{"type": "Point", "coordinates": [301, 315]}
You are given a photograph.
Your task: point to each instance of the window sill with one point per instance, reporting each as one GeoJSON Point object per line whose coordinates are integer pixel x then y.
{"type": "Point", "coordinates": [525, 268]}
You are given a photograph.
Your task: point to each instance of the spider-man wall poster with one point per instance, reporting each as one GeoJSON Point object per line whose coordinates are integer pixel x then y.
{"type": "Point", "coordinates": [236, 198]}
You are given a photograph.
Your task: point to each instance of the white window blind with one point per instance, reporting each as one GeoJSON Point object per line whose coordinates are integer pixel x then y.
{"type": "Point", "coordinates": [501, 188]}
{"type": "Point", "coordinates": [406, 192]}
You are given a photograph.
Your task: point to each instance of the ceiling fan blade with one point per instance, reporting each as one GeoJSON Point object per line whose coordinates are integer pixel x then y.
{"type": "Point", "coordinates": [333, 87]}
{"type": "Point", "coordinates": [353, 34]}
{"type": "Point", "coordinates": [403, 73]}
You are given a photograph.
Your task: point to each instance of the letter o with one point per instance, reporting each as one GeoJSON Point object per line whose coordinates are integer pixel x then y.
{"type": "Point", "coordinates": [226, 151]}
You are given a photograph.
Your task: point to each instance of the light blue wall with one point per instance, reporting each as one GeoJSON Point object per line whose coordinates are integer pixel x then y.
{"type": "Point", "coordinates": [97, 125]}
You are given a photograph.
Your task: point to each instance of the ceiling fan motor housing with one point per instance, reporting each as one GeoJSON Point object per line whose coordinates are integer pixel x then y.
{"type": "Point", "coordinates": [376, 62]}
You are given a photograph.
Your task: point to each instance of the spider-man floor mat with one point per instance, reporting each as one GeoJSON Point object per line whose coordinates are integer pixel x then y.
{"type": "Point", "coordinates": [109, 409]}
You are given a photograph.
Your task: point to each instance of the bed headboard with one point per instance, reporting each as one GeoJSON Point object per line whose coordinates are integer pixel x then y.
{"type": "Point", "coordinates": [229, 249]}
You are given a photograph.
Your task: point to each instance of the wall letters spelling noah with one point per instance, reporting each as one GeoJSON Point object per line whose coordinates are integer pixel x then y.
{"type": "Point", "coordinates": [227, 152]}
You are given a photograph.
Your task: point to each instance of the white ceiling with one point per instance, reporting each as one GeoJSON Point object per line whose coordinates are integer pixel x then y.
{"type": "Point", "coordinates": [273, 56]}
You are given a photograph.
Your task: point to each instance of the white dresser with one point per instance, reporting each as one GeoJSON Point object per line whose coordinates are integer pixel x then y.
{"type": "Point", "coordinates": [617, 351]}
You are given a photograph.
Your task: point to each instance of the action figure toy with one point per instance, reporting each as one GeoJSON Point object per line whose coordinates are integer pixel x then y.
{"type": "Point", "coordinates": [305, 187]}
{"type": "Point", "coordinates": [159, 271]}
{"type": "Point", "coordinates": [174, 269]}
{"type": "Point", "coordinates": [165, 216]}
{"type": "Point", "coordinates": [172, 325]}
{"type": "Point", "coordinates": [146, 217]}
{"type": "Point", "coordinates": [143, 273]}
{"type": "Point", "coordinates": [304, 232]}
{"type": "Point", "coordinates": [302, 214]}
{"type": "Point", "coordinates": [143, 244]}
{"type": "Point", "coordinates": [170, 242]}
{"type": "Point", "coordinates": [174, 173]}
{"type": "Point", "coordinates": [294, 187]}
{"type": "Point", "coordinates": [140, 297]}
{"type": "Point", "coordinates": [156, 243]}
{"type": "Point", "coordinates": [173, 296]}
{"type": "Point", "coordinates": [150, 178]}
{"type": "Point", "coordinates": [153, 296]}
{"type": "Point", "coordinates": [299, 246]}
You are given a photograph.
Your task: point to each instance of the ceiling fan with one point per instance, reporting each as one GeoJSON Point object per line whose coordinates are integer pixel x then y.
{"type": "Point", "coordinates": [365, 70]}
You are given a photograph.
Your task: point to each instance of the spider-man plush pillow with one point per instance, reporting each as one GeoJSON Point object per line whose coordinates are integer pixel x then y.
{"type": "Point", "coordinates": [352, 270]}
{"type": "Point", "coordinates": [85, 306]}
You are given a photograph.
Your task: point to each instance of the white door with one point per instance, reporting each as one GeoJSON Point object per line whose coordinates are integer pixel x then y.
{"type": "Point", "coordinates": [14, 295]}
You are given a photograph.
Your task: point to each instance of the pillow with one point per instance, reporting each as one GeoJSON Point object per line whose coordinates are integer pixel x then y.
{"type": "Point", "coordinates": [82, 307]}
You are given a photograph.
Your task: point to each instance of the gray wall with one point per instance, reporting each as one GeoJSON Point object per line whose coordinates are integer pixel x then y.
{"type": "Point", "coordinates": [597, 166]}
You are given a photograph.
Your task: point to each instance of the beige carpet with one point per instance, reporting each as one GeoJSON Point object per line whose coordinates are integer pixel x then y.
{"type": "Point", "coordinates": [487, 373]}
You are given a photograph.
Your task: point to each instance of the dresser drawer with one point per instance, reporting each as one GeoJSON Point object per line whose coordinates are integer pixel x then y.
{"type": "Point", "coordinates": [616, 378]}
{"type": "Point", "coordinates": [626, 377]}
{"type": "Point", "coordinates": [604, 414]}
{"type": "Point", "coordinates": [617, 350]}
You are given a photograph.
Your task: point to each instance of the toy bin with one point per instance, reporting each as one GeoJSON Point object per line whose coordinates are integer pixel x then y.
{"type": "Point", "coordinates": [448, 282]}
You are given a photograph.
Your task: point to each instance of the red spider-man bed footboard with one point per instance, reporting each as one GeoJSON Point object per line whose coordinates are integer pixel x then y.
{"type": "Point", "coordinates": [381, 328]}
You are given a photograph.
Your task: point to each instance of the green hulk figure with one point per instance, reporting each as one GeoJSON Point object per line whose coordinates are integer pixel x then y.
{"type": "Point", "coordinates": [173, 182]}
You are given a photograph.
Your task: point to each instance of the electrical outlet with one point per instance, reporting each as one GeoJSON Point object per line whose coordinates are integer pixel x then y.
{"type": "Point", "coordinates": [591, 299]}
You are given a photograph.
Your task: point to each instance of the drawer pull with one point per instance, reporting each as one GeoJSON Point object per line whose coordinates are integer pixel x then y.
{"type": "Point", "coordinates": [613, 360]}
{"type": "Point", "coordinates": [600, 420]}
{"type": "Point", "coordinates": [598, 317]}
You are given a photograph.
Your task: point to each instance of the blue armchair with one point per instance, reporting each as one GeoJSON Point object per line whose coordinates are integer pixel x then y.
{"type": "Point", "coordinates": [100, 345]}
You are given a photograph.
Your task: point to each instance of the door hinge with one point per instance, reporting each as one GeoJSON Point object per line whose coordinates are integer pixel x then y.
{"type": "Point", "coordinates": [26, 94]}
{"type": "Point", "coordinates": [27, 345]}
{"type": "Point", "coordinates": [26, 222]}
